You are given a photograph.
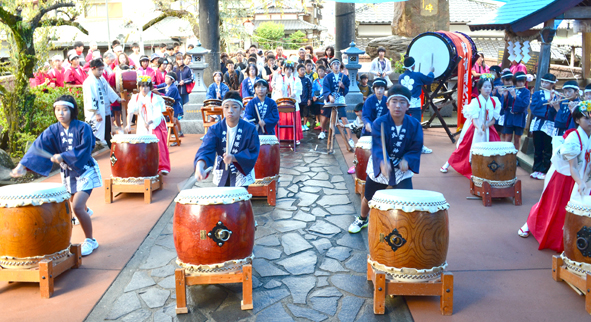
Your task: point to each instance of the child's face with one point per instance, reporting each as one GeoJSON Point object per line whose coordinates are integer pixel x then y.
{"type": "Point", "coordinates": [587, 96]}
{"type": "Point", "coordinates": [261, 90]}
{"type": "Point", "coordinates": [217, 78]}
{"type": "Point", "coordinates": [187, 60]}
{"type": "Point", "coordinates": [520, 84]}
{"type": "Point", "coordinates": [507, 82]}
{"type": "Point", "coordinates": [308, 68]}
{"type": "Point", "coordinates": [364, 81]}
{"type": "Point", "coordinates": [301, 72]}
{"type": "Point", "coordinates": [168, 80]}
{"type": "Point", "coordinates": [569, 92]}
{"type": "Point", "coordinates": [379, 91]}
{"type": "Point", "coordinates": [62, 113]}
{"type": "Point", "coordinates": [335, 67]}
{"type": "Point", "coordinates": [97, 72]}
{"type": "Point", "coordinates": [546, 85]}
{"type": "Point", "coordinates": [398, 106]}
{"type": "Point", "coordinates": [585, 123]}
{"type": "Point", "coordinates": [486, 89]}
{"type": "Point", "coordinates": [145, 64]}
{"type": "Point", "coordinates": [358, 113]}
{"type": "Point", "coordinates": [232, 111]}
{"type": "Point", "coordinates": [321, 73]}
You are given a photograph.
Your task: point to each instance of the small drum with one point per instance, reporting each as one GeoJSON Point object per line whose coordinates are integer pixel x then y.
{"type": "Point", "coordinates": [494, 162]}
{"type": "Point", "coordinates": [213, 104]}
{"type": "Point", "coordinates": [267, 165]}
{"type": "Point", "coordinates": [286, 102]}
{"type": "Point", "coordinates": [168, 101]}
{"type": "Point", "coordinates": [408, 234]}
{"type": "Point", "coordinates": [126, 80]}
{"type": "Point", "coordinates": [35, 224]}
{"type": "Point", "coordinates": [213, 229]}
{"type": "Point", "coordinates": [577, 238]}
{"type": "Point", "coordinates": [362, 155]}
{"type": "Point", "coordinates": [246, 100]}
{"type": "Point", "coordinates": [134, 158]}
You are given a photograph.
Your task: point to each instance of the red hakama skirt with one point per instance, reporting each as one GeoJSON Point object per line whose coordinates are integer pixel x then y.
{"type": "Point", "coordinates": [162, 134]}
{"type": "Point", "coordinates": [460, 158]}
{"type": "Point", "coordinates": [286, 134]}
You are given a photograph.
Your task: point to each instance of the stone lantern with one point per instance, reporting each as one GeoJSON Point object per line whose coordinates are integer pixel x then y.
{"type": "Point", "coordinates": [191, 121]}
{"type": "Point", "coordinates": [198, 65]}
{"type": "Point", "coordinates": [354, 96]}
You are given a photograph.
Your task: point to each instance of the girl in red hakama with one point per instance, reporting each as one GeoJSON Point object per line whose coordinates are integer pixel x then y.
{"type": "Point", "coordinates": [480, 114]}
{"type": "Point", "coordinates": [569, 166]}
{"type": "Point", "coordinates": [289, 85]}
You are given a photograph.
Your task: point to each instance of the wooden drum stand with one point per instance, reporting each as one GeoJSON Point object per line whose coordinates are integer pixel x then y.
{"type": "Point", "coordinates": [360, 187]}
{"type": "Point", "coordinates": [487, 192]}
{"type": "Point", "coordinates": [47, 271]}
{"type": "Point", "coordinates": [146, 187]}
{"type": "Point", "coordinates": [332, 127]}
{"type": "Point", "coordinates": [266, 188]}
{"type": "Point", "coordinates": [561, 273]}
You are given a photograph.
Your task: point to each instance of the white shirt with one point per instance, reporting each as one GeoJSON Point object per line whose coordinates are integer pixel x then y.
{"type": "Point", "coordinates": [154, 108]}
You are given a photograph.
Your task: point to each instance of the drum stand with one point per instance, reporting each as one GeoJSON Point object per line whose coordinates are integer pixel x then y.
{"type": "Point", "coordinates": [332, 127]}
{"type": "Point", "coordinates": [146, 187]}
{"type": "Point", "coordinates": [444, 287]}
{"type": "Point", "coordinates": [360, 187]}
{"type": "Point", "coordinates": [47, 271]}
{"type": "Point", "coordinates": [182, 279]}
{"type": "Point", "coordinates": [266, 188]}
{"type": "Point", "coordinates": [487, 192]}
{"type": "Point", "coordinates": [561, 273]}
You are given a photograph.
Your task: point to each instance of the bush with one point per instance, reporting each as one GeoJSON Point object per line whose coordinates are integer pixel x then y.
{"type": "Point", "coordinates": [399, 65]}
{"type": "Point", "coordinates": [296, 39]}
{"type": "Point", "coordinates": [268, 34]}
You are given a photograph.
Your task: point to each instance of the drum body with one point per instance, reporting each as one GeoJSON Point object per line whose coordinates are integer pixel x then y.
{"type": "Point", "coordinates": [213, 228]}
{"type": "Point", "coordinates": [168, 101]}
{"type": "Point", "coordinates": [408, 234]}
{"type": "Point", "coordinates": [35, 224]}
{"type": "Point", "coordinates": [213, 103]}
{"type": "Point", "coordinates": [134, 157]}
{"type": "Point", "coordinates": [494, 162]}
{"type": "Point", "coordinates": [268, 164]}
{"type": "Point", "coordinates": [286, 102]}
{"type": "Point", "coordinates": [577, 237]}
{"type": "Point", "coordinates": [126, 80]}
{"type": "Point", "coordinates": [246, 100]}
{"type": "Point", "coordinates": [362, 155]}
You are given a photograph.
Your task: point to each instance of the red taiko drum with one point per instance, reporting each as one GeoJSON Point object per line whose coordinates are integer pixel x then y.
{"type": "Point", "coordinates": [134, 158]}
{"type": "Point", "coordinates": [213, 229]}
{"type": "Point", "coordinates": [214, 103]}
{"type": "Point", "coordinates": [362, 155]}
{"type": "Point", "coordinates": [168, 101]}
{"type": "Point", "coordinates": [286, 102]}
{"type": "Point", "coordinates": [246, 100]}
{"type": "Point", "coordinates": [35, 224]}
{"type": "Point", "coordinates": [126, 80]}
{"type": "Point", "coordinates": [267, 165]}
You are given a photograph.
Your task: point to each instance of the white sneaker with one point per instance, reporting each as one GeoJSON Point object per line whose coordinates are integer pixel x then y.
{"type": "Point", "coordinates": [351, 143]}
{"type": "Point", "coordinates": [164, 172]}
{"type": "Point", "coordinates": [89, 245]}
{"type": "Point", "coordinates": [426, 150]}
{"type": "Point", "coordinates": [321, 136]}
{"type": "Point", "coordinates": [75, 219]}
{"type": "Point", "coordinates": [542, 176]}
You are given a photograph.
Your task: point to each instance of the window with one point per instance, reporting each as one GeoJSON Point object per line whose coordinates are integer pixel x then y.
{"type": "Point", "coordinates": [98, 10]}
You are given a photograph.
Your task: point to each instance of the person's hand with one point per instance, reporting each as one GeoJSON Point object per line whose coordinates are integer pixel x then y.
{"type": "Point", "coordinates": [512, 91]}
{"type": "Point", "coordinates": [57, 158]}
{"type": "Point", "coordinates": [572, 105]}
{"type": "Point", "coordinates": [128, 129]}
{"type": "Point", "coordinates": [331, 99]}
{"type": "Point", "coordinates": [582, 188]}
{"type": "Point", "coordinates": [341, 84]}
{"type": "Point", "coordinates": [228, 158]}
{"type": "Point", "coordinates": [51, 85]}
{"type": "Point", "coordinates": [262, 124]}
{"type": "Point", "coordinates": [182, 83]}
{"type": "Point", "coordinates": [403, 165]}
{"type": "Point", "coordinates": [432, 69]}
{"type": "Point", "coordinates": [200, 173]}
{"type": "Point", "coordinates": [122, 100]}
{"type": "Point", "coordinates": [368, 127]}
{"type": "Point", "coordinates": [19, 171]}
{"type": "Point", "coordinates": [386, 168]}
{"type": "Point", "coordinates": [314, 98]}
{"type": "Point", "coordinates": [99, 118]}
{"type": "Point", "coordinates": [309, 102]}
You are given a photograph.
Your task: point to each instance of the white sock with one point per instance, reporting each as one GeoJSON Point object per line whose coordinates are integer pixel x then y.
{"type": "Point", "coordinates": [446, 165]}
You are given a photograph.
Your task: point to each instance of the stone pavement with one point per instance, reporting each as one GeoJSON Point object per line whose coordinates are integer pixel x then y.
{"type": "Point", "coordinates": [306, 267]}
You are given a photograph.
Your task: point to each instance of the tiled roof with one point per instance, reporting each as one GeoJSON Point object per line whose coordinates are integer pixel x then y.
{"type": "Point", "coordinates": [491, 46]}
{"type": "Point", "coordinates": [292, 25]}
{"type": "Point", "coordinates": [378, 13]}
{"type": "Point", "coordinates": [469, 10]}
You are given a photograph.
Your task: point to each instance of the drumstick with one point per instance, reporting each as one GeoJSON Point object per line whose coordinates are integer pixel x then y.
{"type": "Point", "coordinates": [431, 60]}
{"type": "Point", "coordinates": [384, 144]}
{"type": "Point", "coordinates": [227, 142]}
{"type": "Point", "coordinates": [259, 115]}
{"type": "Point", "coordinates": [191, 181]}
{"type": "Point", "coordinates": [40, 152]}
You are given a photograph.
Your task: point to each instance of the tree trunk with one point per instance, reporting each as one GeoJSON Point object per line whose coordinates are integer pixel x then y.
{"type": "Point", "coordinates": [414, 17]}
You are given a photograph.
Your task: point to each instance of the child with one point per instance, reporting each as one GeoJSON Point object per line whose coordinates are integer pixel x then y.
{"type": "Point", "coordinates": [363, 87]}
{"type": "Point", "coordinates": [318, 99]}
{"type": "Point", "coordinates": [542, 140]}
{"type": "Point", "coordinates": [414, 81]}
{"type": "Point", "coordinates": [305, 98]}
{"type": "Point", "coordinates": [516, 110]}
{"type": "Point", "coordinates": [172, 91]}
{"type": "Point", "coordinates": [145, 68]}
{"type": "Point", "coordinates": [249, 78]}
{"type": "Point", "coordinates": [310, 70]}
{"type": "Point", "coordinates": [587, 93]}
{"type": "Point", "coordinates": [74, 76]}
{"type": "Point", "coordinates": [404, 141]}
{"type": "Point", "coordinates": [563, 120]}
{"type": "Point", "coordinates": [480, 114]}
{"type": "Point", "coordinates": [267, 109]}
{"type": "Point", "coordinates": [569, 166]}
{"type": "Point", "coordinates": [375, 106]}
{"type": "Point", "coordinates": [150, 120]}
{"type": "Point", "coordinates": [234, 168]}
{"type": "Point", "coordinates": [71, 143]}
{"type": "Point", "coordinates": [217, 89]}
{"type": "Point", "coordinates": [504, 97]}
{"type": "Point", "coordinates": [289, 85]}
{"type": "Point", "coordinates": [334, 89]}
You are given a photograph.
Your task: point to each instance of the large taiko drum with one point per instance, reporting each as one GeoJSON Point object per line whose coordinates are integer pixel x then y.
{"type": "Point", "coordinates": [362, 155]}
{"type": "Point", "coordinates": [286, 102]}
{"type": "Point", "coordinates": [134, 158]}
{"type": "Point", "coordinates": [577, 237]}
{"type": "Point", "coordinates": [495, 163]}
{"type": "Point", "coordinates": [126, 80]}
{"type": "Point", "coordinates": [246, 100]}
{"type": "Point", "coordinates": [213, 229]}
{"type": "Point", "coordinates": [267, 165]}
{"type": "Point", "coordinates": [408, 234]}
{"type": "Point", "coordinates": [35, 224]}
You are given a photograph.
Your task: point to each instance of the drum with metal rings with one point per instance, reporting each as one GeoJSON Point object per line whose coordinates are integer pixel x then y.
{"type": "Point", "coordinates": [577, 237]}
{"type": "Point", "coordinates": [35, 224]}
{"type": "Point", "coordinates": [134, 158]}
{"type": "Point", "coordinates": [268, 162]}
{"type": "Point", "coordinates": [362, 155]}
{"type": "Point", "coordinates": [126, 80]}
{"type": "Point", "coordinates": [408, 234]}
{"type": "Point", "coordinates": [495, 163]}
{"type": "Point", "coordinates": [213, 229]}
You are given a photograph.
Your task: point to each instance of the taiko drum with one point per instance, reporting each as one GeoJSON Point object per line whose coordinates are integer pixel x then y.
{"type": "Point", "coordinates": [286, 102]}
{"type": "Point", "coordinates": [577, 236]}
{"type": "Point", "coordinates": [268, 164]}
{"type": "Point", "coordinates": [495, 162]}
{"type": "Point", "coordinates": [362, 155]}
{"type": "Point", "coordinates": [408, 234]}
{"type": "Point", "coordinates": [246, 100]}
{"type": "Point", "coordinates": [35, 224]}
{"type": "Point", "coordinates": [213, 225]}
{"type": "Point", "coordinates": [134, 156]}
{"type": "Point", "coordinates": [126, 80]}
{"type": "Point", "coordinates": [213, 103]}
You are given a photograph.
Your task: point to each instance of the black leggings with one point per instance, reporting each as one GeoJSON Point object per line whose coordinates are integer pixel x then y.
{"type": "Point", "coordinates": [371, 187]}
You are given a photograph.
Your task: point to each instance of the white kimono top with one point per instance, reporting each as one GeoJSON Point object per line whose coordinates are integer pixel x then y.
{"type": "Point", "coordinates": [576, 145]}
{"type": "Point", "coordinates": [285, 85]}
{"type": "Point", "coordinates": [481, 111]}
{"type": "Point", "coordinates": [98, 96]}
{"type": "Point", "coordinates": [148, 108]}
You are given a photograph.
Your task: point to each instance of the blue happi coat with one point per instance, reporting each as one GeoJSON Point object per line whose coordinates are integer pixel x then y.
{"type": "Point", "coordinates": [564, 120]}
{"type": "Point", "coordinates": [213, 89]}
{"type": "Point", "coordinates": [173, 92]}
{"type": "Point", "coordinates": [245, 149]}
{"type": "Point", "coordinates": [539, 111]}
{"type": "Point", "coordinates": [407, 144]}
{"type": "Point", "coordinates": [372, 109]}
{"type": "Point", "coordinates": [248, 87]}
{"type": "Point", "coordinates": [516, 108]}
{"type": "Point", "coordinates": [330, 86]}
{"type": "Point", "coordinates": [267, 110]}
{"type": "Point", "coordinates": [414, 81]}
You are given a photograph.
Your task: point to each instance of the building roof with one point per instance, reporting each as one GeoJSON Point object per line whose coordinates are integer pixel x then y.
{"type": "Point", "coordinates": [463, 11]}
{"type": "Point", "coordinates": [521, 15]}
{"type": "Point", "coordinates": [491, 47]}
{"type": "Point", "coordinates": [292, 25]}
{"type": "Point", "coordinates": [382, 13]}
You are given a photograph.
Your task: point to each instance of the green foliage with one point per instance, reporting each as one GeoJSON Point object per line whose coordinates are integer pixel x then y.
{"type": "Point", "coordinates": [269, 34]}
{"type": "Point", "coordinates": [296, 39]}
{"type": "Point", "coordinates": [399, 65]}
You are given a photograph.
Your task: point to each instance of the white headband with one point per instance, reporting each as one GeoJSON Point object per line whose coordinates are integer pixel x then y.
{"type": "Point", "coordinates": [587, 90]}
{"type": "Point", "coordinates": [63, 103]}
{"type": "Point", "coordinates": [409, 67]}
{"type": "Point", "coordinates": [571, 86]}
{"type": "Point", "coordinates": [549, 81]}
{"type": "Point", "coordinates": [397, 95]}
{"type": "Point", "coordinates": [233, 100]}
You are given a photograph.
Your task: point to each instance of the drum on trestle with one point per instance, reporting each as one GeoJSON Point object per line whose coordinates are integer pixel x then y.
{"type": "Point", "coordinates": [577, 237]}
{"type": "Point", "coordinates": [246, 100]}
{"type": "Point", "coordinates": [168, 101]}
{"type": "Point", "coordinates": [35, 224]}
{"type": "Point", "coordinates": [362, 155]}
{"type": "Point", "coordinates": [213, 229]}
{"type": "Point", "coordinates": [286, 102]}
{"type": "Point", "coordinates": [214, 103]}
{"type": "Point", "coordinates": [408, 234]}
{"type": "Point", "coordinates": [126, 80]}
{"type": "Point", "coordinates": [268, 164]}
{"type": "Point", "coordinates": [494, 162]}
{"type": "Point", "coordinates": [134, 158]}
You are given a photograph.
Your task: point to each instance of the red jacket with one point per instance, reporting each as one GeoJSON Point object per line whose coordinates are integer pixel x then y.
{"type": "Point", "coordinates": [75, 76]}
{"type": "Point", "coordinates": [56, 77]}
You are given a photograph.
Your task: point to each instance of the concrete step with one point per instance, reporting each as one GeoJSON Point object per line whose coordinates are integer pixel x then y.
{"type": "Point", "coordinates": [526, 161]}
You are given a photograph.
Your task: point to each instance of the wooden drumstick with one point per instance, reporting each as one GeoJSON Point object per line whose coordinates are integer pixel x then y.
{"type": "Point", "coordinates": [431, 60]}
{"type": "Point", "coordinates": [384, 144]}
{"type": "Point", "coordinates": [192, 180]}
{"type": "Point", "coordinates": [259, 115]}
{"type": "Point", "coordinates": [227, 141]}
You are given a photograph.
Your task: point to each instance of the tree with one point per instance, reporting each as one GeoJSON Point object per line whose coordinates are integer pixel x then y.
{"type": "Point", "coordinates": [21, 21]}
{"type": "Point", "coordinates": [269, 34]}
{"type": "Point", "coordinates": [296, 39]}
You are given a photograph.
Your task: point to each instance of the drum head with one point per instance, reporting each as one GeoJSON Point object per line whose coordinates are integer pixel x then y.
{"type": "Point", "coordinates": [364, 143]}
{"type": "Point", "coordinates": [212, 196]}
{"type": "Point", "coordinates": [473, 45]}
{"type": "Point", "coordinates": [18, 195]}
{"type": "Point", "coordinates": [134, 138]}
{"type": "Point", "coordinates": [409, 200]}
{"type": "Point", "coordinates": [433, 47]}
{"type": "Point", "coordinates": [575, 206]}
{"type": "Point", "coordinates": [268, 139]}
{"type": "Point", "coordinates": [488, 149]}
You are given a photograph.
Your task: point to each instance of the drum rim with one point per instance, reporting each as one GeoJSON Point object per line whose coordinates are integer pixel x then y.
{"type": "Point", "coordinates": [451, 47]}
{"type": "Point", "coordinates": [432, 206]}
{"type": "Point", "coordinates": [493, 148]}
{"type": "Point", "coordinates": [268, 140]}
{"type": "Point", "coordinates": [196, 196]}
{"type": "Point", "coordinates": [578, 208]}
{"type": "Point", "coordinates": [364, 142]}
{"type": "Point", "coordinates": [473, 44]}
{"type": "Point", "coordinates": [134, 138]}
{"type": "Point", "coordinates": [53, 193]}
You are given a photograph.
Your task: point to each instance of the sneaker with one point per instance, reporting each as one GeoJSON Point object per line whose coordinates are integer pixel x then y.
{"type": "Point", "coordinates": [298, 142]}
{"type": "Point", "coordinates": [303, 128]}
{"type": "Point", "coordinates": [308, 124]}
{"type": "Point", "coordinates": [181, 135]}
{"type": "Point", "coordinates": [75, 219]}
{"type": "Point", "coordinates": [426, 150]}
{"type": "Point", "coordinates": [351, 170]}
{"type": "Point", "coordinates": [321, 136]}
{"type": "Point", "coordinates": [89, 245]}
{"type": "Point", "coordinates": [523, 231]}
{"type": "Point", "coordinates": [317, 124]}
{"type": "Point", "coordinates": [358, 224]}
{"type": "Point", "coordinates": [351, 143]}
{"type": "Point", "coordinates": [535, 175]}
{"type": "Point", "coordinates": [542, 176]}
{"type": "Point", "coordinates": [164, 172]}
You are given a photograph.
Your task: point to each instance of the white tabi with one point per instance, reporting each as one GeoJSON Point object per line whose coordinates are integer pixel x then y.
{"type": "Point", "coordinates": [153, 112]}
{"type": "Point", "coordinates": [98, 96]}
{"type": "Point", "coordinates": [480, 113]}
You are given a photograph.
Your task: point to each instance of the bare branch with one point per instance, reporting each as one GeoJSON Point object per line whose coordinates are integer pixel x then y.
{"type": "Point", "coordinates": [65, 13]}
{"type": "Point", "coordinates": [35, 21]}
{"type": "Point", "coordinates": [61, 22]}
{"type": "Point", "coordinates": [167, 13]}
